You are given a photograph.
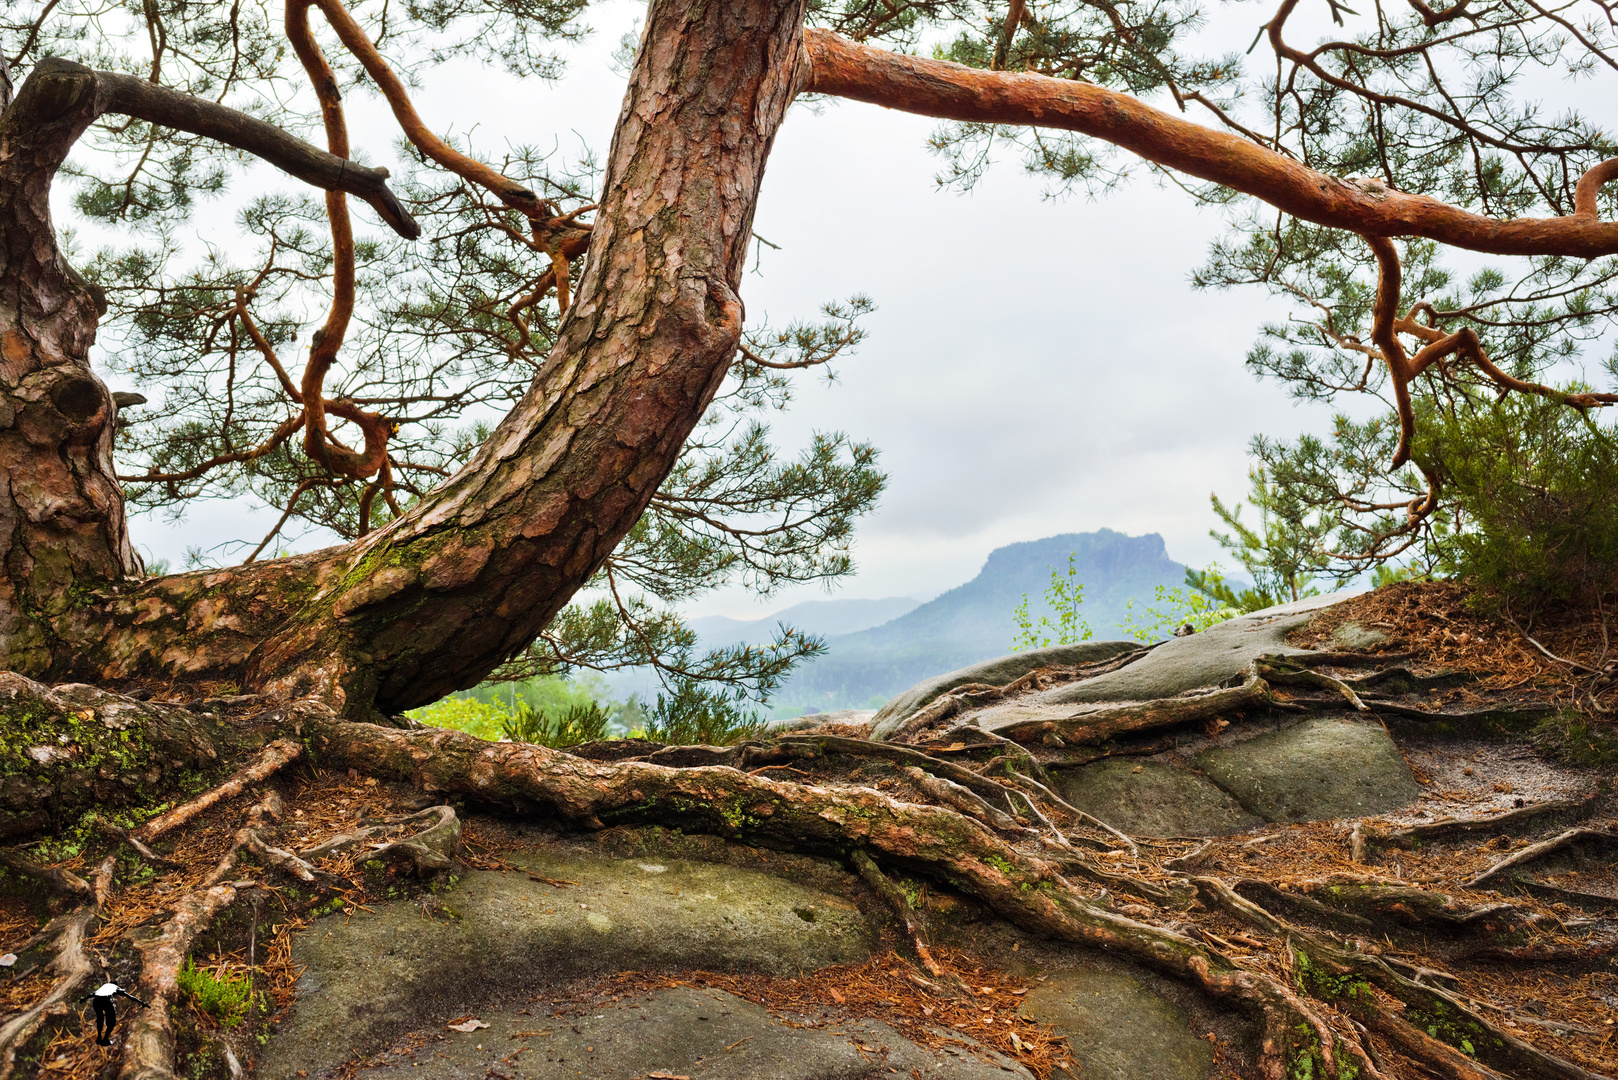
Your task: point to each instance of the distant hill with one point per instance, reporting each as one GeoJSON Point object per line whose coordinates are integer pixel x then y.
{"type": "Point", "coordinates": [824, 617]}
{"type": "Point", "coordinates": [974, 621]}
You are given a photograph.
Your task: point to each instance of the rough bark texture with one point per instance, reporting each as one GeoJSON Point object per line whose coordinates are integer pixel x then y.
{"type": "Point", "coordinates": [432, 603]}
{"type": "Point", "coordinates": [62, 527]}
{"type": "Point", "coordinates": [64, 541]}
{"type": "Point", "coordinates": [938, 88]}
{"type": "Point", "coordinates": [118, 751]}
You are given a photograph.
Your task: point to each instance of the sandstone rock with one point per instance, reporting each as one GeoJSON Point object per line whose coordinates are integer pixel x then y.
{"type": "Point", "coordinates": [369, 977]}
{"type": "Point", "coordinates": [686, 1031]}
{"type": "Point", "coordinates": [996, 672]}
{"type": "Point", "coordinates": [1315, 771]}
{"type": "Point", "coordinates": [1217, 654]}
{"type": "Point", "coordinates": [1153, 798]}
{"type": "Point", "coordinates": [1119, 1028]}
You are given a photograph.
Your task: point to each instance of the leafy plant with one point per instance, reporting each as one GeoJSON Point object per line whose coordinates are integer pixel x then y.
{"type": "Point", "coordinates": [560, 712]}
{"type": "Point", "coordinates": [1176, 606]}
{"type": "Point", "coordinates": [481, 718]}
{"type": "Point", "coordinates": [579, 724]}
{"type": "Point", "coordinates": [224, 997]}
{"type": "Point", "coordinates": [1532, 482]}
{"type": "Point", "coordinates": [697, 715]}
{"type": "Point", "coordinates": [1063, 596]}
{"type": "Point", "coordinates": [1282, 554]}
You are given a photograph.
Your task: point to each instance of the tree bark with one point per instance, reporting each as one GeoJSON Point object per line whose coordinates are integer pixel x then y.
{"type": "Point", "coordinates": [471, 575]}
{"type": "Point", "coordinates": [62, 526]}
{"type": "Point", "coordinates": [64, 540]}
{"type": "Point", "coordinates": [939, 88]}
{"type": "Point", "coordinates": [435, 601]}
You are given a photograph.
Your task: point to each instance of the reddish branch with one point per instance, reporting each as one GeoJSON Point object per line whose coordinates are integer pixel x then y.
{"type": "Point", "coordinates": [938, 88]}
{"type": "Point", "coordinates": [559, 237]}
{"type": "Point", "coordinates": [1387, 325]}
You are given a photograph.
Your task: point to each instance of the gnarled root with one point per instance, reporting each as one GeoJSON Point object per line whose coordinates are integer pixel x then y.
{"type": "Point", "coordinates": [149, 1046]}
{"type": "Point", "coordinates": [269, 760]}
{"type": "Point", "coordinates": [430, 849]}
{"type": "Point", "coordinates": [908, 919]}
{"type": "Point", "coordinates": [1347, 977]}
{"type": "Point", "coordinates": [70, 965]}
{"type": "Point", "coordinates": [1023, 888]}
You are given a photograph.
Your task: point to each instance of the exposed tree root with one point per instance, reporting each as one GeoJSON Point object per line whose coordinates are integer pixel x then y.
{"type": "Point", "coordinates": [148, 1052]}
{"type": "Point", "coordinates": [1347, 976]}
{"type": "Point", "coordinates": [429, 849]}
{"type": "Point", "coordinates": [993, 830]}
{"type": "Point", "coordinates": [978, 695]}
{"type": "Point", "coordinates": [124, 836]}
{"type": "Point", "coordinates": [1065, 725]}
{"type": "Point", "coordinates": [1022, 888]}
{"type": "Point", "coordinates": [272, 758]}
{"type": "Point", "coordinates": [69, 965]}
{"type": "Point", "coordinates": [59, 881]}
{"type": "Point", "coordinates": [906, 914]}
{"type": "Point", "coordinates": [1542, 849]}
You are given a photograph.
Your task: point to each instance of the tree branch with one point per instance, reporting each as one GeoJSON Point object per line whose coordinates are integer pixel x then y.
{"type": "Point", "coordinates": [130, 95]}
{"type": "Point", "coordinates": [938, 88]}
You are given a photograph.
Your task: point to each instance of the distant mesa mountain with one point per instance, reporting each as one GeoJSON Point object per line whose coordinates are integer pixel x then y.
{"type": "Point", "coordinates": [822, 617]}
{"type": "Point", "coordinates": [974, 621]}
{"type": "Point", "coordinates": [876, 648]}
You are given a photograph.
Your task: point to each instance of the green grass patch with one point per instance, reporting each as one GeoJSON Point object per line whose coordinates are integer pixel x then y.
{"type": "Point", "coordinates": [226, 999]}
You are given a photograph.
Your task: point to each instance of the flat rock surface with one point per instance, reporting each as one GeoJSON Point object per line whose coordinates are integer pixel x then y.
{"type": "Point", "coordinates": [996, 672]}
{"type": "Point", "coordinates": [703, 1034]}
{"type": "Point", "coordinates": [1154, 798]}
{"type": "Point", "coordinates": [1217, 654]}
{"type": "Point", "coordinates": [370, 976]}
{"type": "Point", "coordinates": [1315, 771]}
{"type": "Point", "coordinates": [1119, 1028]}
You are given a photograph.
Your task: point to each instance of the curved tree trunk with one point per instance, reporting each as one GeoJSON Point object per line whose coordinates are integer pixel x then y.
{"type": "Point", "coordinates": [470, 576]}
{"type": "Point", "coordinates": [62, 527]}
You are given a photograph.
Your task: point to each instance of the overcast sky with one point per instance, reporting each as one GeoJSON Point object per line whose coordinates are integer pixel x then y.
{"type": "Point", "coordinates": [1035, 365]}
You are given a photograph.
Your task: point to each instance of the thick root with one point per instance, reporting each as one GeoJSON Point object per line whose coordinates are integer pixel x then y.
{"type": "Point", "coordinates": [149, 1047]}
{"type": "Point", "coordinates": [1347, 976]}
{"type": "Point", "coordinates": [906, 915]}
{"type": "Point", "coordinates": [430, 850]}
{"type": "Point", "coordinates": [1542, 849]}
{"type": "Point", "coordinates": [269, 760]}
{"type": "Point", "coordinates": [1025, 889]}
{"type": "Point", "coordinates": [71, 967]}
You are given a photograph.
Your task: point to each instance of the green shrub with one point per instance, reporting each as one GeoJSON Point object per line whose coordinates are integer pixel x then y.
{"type": "Point", "coordinates": [226, 1000]}
{"type": "Point", "coordinates": [694, 715]}
{"type": "Point", "coordinates": [480, 718]}
{"type": "Point", "coordinates": [1063, 595]}
{"type": "Point", "coordinates": [555, 711]}
{"type": "Point", "coordinates": [1173, 607]}
{"type": "Point", "coordinates": [578, 724]}
{"type": "Point", "coordinates": [1532, 481]}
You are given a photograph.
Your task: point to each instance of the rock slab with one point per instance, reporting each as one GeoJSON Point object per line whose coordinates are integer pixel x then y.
{"type": "Point", "coordinates": [1154, 798]}
{"type": "Point", "coordinates": [1319, 770]}
{"type": "Point", "coordinates": [704, 1034]}
{"type": "Point", "coordinates": [996, 672]}
{"type": "Point", "coordinates": [369, 977]}
{"type": "Point", "coordinates": [1120, 1029]}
